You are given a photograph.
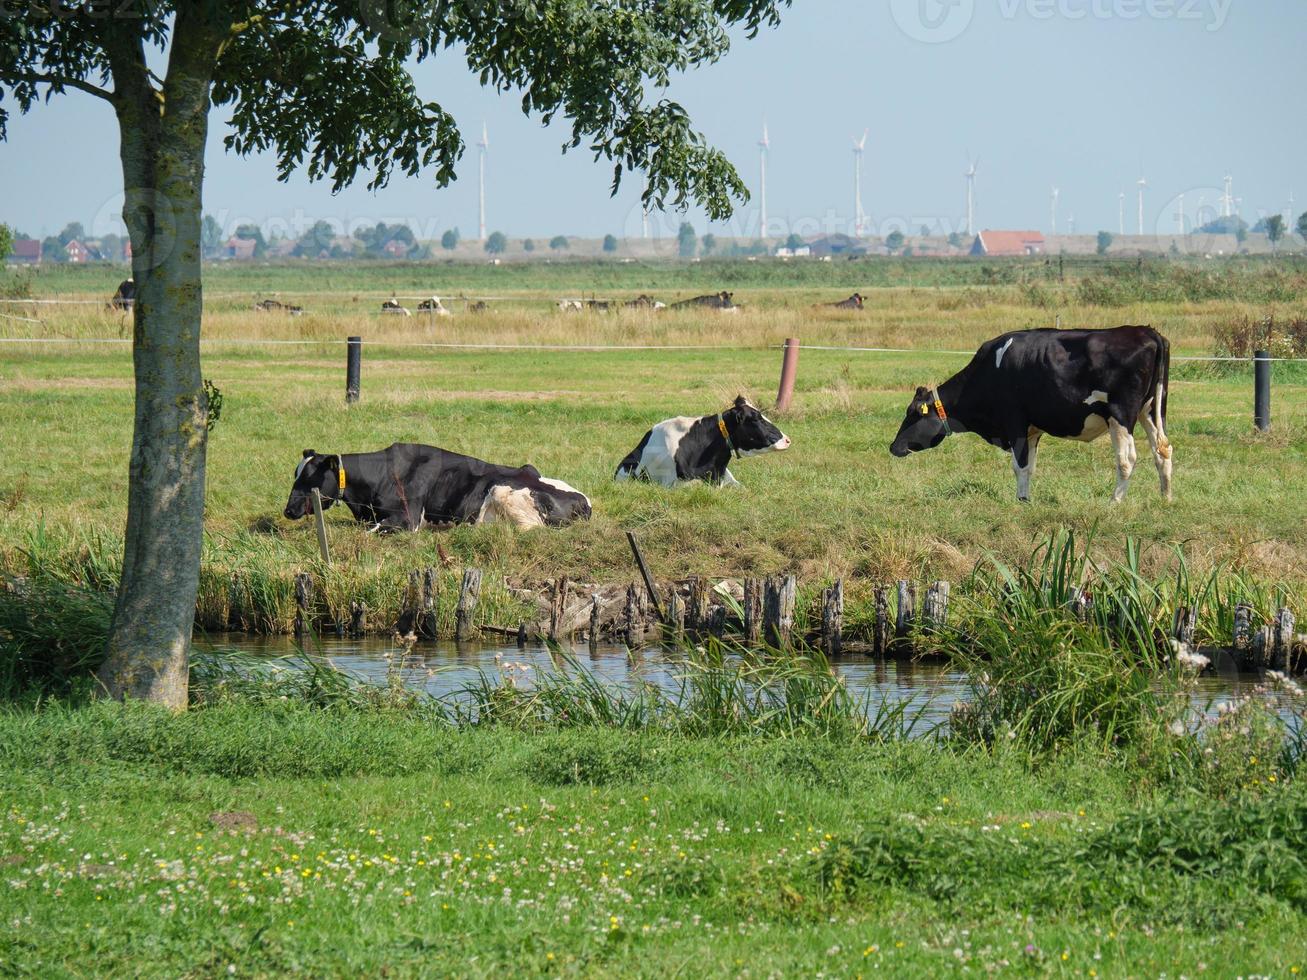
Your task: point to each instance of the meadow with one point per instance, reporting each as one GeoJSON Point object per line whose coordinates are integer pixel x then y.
{"type": "Point", "coordinates": [1079, 817]}
{"type": "Point", "coordinates": [835, 505]}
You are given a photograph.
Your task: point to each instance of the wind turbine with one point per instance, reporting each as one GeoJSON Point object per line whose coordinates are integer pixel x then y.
{"type": "Point", "coordinates": [1122, 218]}
{"type": "Point", "coordinates": [482, 146]}
{"type": "Point", "coordinates": [1179, 213]}
{"type": "Point", "coordinates": [1143, 184]}
{"type": "Point", "coordinates": [1052, 223]}
{"type": "Point", "coordinates": [763, 145]}
{"type": "Point", "coordinates": [971, 197]}
{"type": "Point", "coordinates": [858, 217]}
{"type": "Point", "coordinates": [1227, 199]}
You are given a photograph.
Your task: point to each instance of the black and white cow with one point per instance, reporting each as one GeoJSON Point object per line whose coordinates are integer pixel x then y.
{"type": "Point", "coordinates": [408, 485]}
{"type": "Point", "coordinates": [723, 301]}
{"type": "Point", "coordinates": [683, 449]}
{"type": "Point", "coordinates": [1073, 384]}
{"type": "Point", "coordinates": [854, 302]}
{"type": "Point", "coordinates": [125, 296]}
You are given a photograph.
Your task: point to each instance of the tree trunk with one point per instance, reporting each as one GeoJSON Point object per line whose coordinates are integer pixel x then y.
{"type": "Point", "coordinates": [163, 138]}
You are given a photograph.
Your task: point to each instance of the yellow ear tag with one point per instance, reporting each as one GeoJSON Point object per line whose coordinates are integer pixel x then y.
{"type": "Point", "coordinates": [340, 472]}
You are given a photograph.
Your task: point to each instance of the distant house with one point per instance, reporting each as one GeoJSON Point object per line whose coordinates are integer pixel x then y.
{"type": "Point", "coordinates": [786, 253]}
{"type": "Point", "coordinates": [27, 251]}
{"type": "Point", "coordinates": [1008, 243]}
{"type": "Point", "coordinates": [239, 248]}
{"type": "Point", "coordinates": [836, 244]}
{"type": "Point", "coordinates": [78, 252]}
{"type": "Point", "coordinates": [396, 249]}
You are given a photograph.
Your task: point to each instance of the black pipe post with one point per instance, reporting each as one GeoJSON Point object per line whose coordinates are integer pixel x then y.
{"type": "Point", "coordinates": [1262, 390]}
{"type": "Point", "coordinates": [353, 366]}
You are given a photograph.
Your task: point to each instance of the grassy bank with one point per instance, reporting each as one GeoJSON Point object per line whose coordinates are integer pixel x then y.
{"type": "Point", "coordinates": [256, 841]}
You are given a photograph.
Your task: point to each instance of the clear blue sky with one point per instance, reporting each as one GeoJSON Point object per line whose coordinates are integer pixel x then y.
{"type": "Point", "coordinates": [1085, 94]}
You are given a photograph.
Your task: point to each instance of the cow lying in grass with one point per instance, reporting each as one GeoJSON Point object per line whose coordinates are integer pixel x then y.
{"type": "Point", "coordinates": [408, 485]}
{"type": "Point", "coordinates": [683, 449]}
{"type": "Point", "coordinates": [1073, 384]}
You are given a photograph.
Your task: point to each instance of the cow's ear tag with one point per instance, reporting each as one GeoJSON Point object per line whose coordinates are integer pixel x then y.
{"type": "Point", "coordinates": [340, 473]}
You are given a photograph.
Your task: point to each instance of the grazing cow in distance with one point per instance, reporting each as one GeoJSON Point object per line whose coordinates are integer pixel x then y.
{"type": "Point", "coordinates": [685, 448]}
{"type": "Point", "coordinates": [408, 485]}
{"type": "Point", "coordinates": [854, 302]}
{"type": "Point", "coordinates": [570, 305]}
{"type": "Point", "coordinates": [124, 298]}
{"type": "Point", "coordinates": [433, 306]}
{"type": "Point", "coordinates": [1073, 384]}
{"type": "Point", "coordinates": [723, 301]}
{"type": "Point", "coordinates": [393, 307]}
{"type": "Point", "coordinates": [479, 307]}
{"type": "Point", "coordinates": [644, 302]}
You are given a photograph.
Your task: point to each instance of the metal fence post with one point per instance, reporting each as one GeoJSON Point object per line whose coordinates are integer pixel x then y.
{"type": "Point", "coordinates": [353, 366]}
{"type": "Point", "coordinates": [1262, 391]}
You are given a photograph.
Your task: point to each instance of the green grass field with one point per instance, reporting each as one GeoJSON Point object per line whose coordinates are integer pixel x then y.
{"type": "Point", "coordinates": [257, 842]}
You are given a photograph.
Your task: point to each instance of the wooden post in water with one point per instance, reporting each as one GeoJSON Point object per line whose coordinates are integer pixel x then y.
{"type": "Point", "coordinates": [1243, 627]}
{"type": "Point", "coordinates": [675, 625]}
{"type": "Point", "coordinates": [717, 622]}
{"type": "Point", "coordinates": [881, 635]}
{"type": "Point", "coordinates": [778, 611]}
{"type": "Point", "coordinates": [1184, 625]}
{"type": "Point", "coordinates": [358, 611]}
{"type": "Point", "coordinates": [832, 619]}
{"type": "Point", "coordinates": [935, 608]}
{"type": "Point", "coordinates": [696, 609]}
{"type": "Point", "coordinates": [1284, 623]}
{"type": "Point", "coordinates": [1263, 647]}
{"type": "Point", "coordinates": [468, 595]}
{"type": "Point", "coordinates": [321, 525]}
{"type": "Point", "coordinates": [752, 611]}
{"type": "Point", "coordinates": [634, 617]}
{"type": "Point", "coordinates": [644, 574]}
{"type": "Point", "coordinates": [904, 616]}
{"type": "Point", "coordinates": [409, 606]}
{"type": "Point", "coordinates": [429, 625]}
{"type": "Point", "coordinates": [594, 622]}
{"type": "Point", "coordinates": [558, 608]}
{"type": "Point", "coordinates": [303, 603]}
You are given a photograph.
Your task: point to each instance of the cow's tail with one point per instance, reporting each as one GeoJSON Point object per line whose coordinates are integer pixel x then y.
{"type": "Point", "coordinates": [1161, 391]}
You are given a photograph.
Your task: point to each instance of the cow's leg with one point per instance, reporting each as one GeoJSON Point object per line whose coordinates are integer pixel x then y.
{"type": "Point", "coordinates": [1160, 445]}
{"type": "Point", "coordinates": [1123, 444]}
{"type": "Point", "coordinates": [728, 479]}
{"type": "Point", "coordinates": [1023, 462]}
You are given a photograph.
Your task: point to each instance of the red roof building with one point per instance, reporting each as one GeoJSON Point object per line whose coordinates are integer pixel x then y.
{"type": "Point", "coordinates": [77, 252]}
{"type": "Point", "coordinates": [27, 251]}
{"type": "Point", "coordinates": [1008, 243]}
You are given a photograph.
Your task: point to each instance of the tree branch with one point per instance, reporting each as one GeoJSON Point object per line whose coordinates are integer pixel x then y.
{"type": "Point", "coordinates": [64, 82]}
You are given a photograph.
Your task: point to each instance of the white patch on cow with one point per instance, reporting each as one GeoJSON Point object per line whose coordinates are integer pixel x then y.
{"type": "Point", "coordinates": [998, 358]}
{"type": "Point", "coordinates": [1096, 398]}
{"type": "Point", "coordinates": [1123, 444]}
{"type": "Point", "coordinates": [658, 461]}
{"type": "Point", "coordinates": [564, 487]}
{"type": "Point", "coordinates": [1095, 426]}
{"type": "Point", "coordinates": [505, 505]}
{"type": "Point", "coordinates": [728, 479]}
{"type": "Point", "coordinates": [729, 309]}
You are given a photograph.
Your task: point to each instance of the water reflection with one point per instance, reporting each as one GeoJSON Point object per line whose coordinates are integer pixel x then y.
{"type": "Point", "coordinates": [929, 688]}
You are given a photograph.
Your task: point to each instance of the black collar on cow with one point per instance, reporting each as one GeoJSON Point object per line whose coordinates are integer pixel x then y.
{"type": "Point", "coordinates": [721, 427]}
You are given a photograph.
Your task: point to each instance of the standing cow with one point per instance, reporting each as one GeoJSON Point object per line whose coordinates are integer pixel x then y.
{"type": "Point", "coordinates": [686, 448]}
{"type": "Point", "coordinates": [1073, 384]}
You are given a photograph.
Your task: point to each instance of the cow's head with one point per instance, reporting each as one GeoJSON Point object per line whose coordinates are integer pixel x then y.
{"type": "Point", "coordinates": [559, 504]}
{"type": "Point", "coordinates": [728, 299]}
{"type": "Point", "coordinates": [922, 428]}
{"type": "Point", "coordinates": [318, 472]}
{"type": "Point", "coordinates": [751, 431]}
